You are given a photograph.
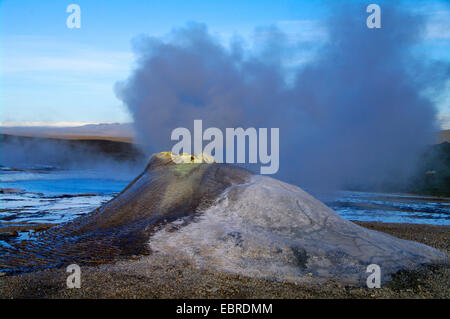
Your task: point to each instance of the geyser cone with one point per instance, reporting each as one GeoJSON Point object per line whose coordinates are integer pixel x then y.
{"type": "Point", "coordinates": [226, 218]}
{"type": "Point", "coordinates": [162, 193]}
{"type": "Point", "coordinates": [266, 228]}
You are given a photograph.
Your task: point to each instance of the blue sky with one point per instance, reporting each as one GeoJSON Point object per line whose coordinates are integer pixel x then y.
{"type": "Point", "coordinates": [54, 75]}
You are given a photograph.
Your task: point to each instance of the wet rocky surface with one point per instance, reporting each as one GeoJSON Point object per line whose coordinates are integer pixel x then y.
{"type": "Point", "coordinates": [220, 216]}
{"type": "Point", "coordinates": [166, 277]}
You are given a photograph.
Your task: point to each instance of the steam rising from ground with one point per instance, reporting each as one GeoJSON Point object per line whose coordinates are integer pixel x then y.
{"type": "Point", "coordinates": [97, 158]}
{"type": "Point", "coordinates": [356, 114]}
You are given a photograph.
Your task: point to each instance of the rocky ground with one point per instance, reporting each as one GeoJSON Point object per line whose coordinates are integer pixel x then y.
{"type": "Point", "coordinates": [158, 276]}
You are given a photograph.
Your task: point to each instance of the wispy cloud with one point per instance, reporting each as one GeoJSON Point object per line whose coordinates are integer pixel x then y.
{"type": "Point", "coordinates": [444, 121]}
{"type": "Point", "coordinates": [304, 30]}
{"type": "Point", "coordinates": [22, 54]}
{"type": "Point", "coordinates": [46, 80]}
{"type": "Point", "coordinates": [438, 18]}
{"type": "Point", "coordinates": [47, 124]}
{"type": "Point", "coordinates": [104, 62]}
{"type": "Point", "coordinates": [439, 25]}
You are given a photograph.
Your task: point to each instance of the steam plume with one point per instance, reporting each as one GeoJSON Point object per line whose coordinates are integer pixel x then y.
{"type": "Point", "coordinates": [356, 114]}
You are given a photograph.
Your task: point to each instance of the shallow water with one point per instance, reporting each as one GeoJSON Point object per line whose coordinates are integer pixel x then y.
{"type": "Point", "coordinates": [391, 208]}
{"type": "Point", "coordinates": [51, 195]}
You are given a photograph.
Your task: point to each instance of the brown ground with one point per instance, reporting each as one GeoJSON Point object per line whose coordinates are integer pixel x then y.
{"type": "Point", "coordinates": [161, 277]}
{"type": "Point", "coordinates": [126, 139]}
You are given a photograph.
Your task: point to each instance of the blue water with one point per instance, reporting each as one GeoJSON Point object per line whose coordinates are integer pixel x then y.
{"type": "Point", "coordinates": [68, 186]}
{"type": "Point", "coordinates": [52, 195]}
{"type": "Point", "coordinates": [391, 208]}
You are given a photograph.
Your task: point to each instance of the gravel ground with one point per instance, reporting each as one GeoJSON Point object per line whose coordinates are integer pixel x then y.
{"type": "Point", "coordinates": [158, 276]}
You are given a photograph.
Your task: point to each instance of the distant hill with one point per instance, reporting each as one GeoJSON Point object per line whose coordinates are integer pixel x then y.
{"type": "Point", "coordinates": [444, 136]}
{"type": "Point", "coordinates": [122, 132]}
{"type": "Point", "coordinates": [25, 151]}
{"type": "Point", "coordinates": [433, 175]}
{"type": "Point", "coordinates": [114, 132]}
